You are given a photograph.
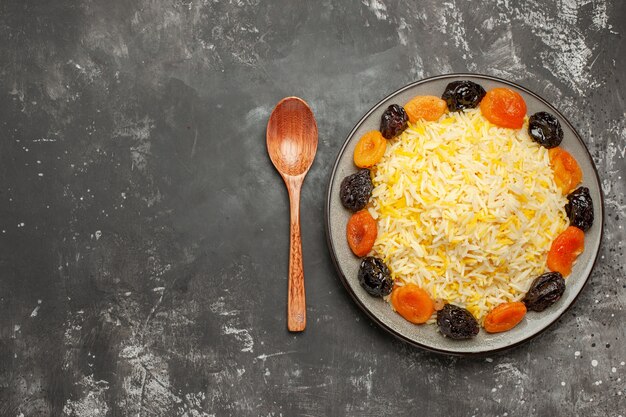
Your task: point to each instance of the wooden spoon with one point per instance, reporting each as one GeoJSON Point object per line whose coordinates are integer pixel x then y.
{"type": "Point", "coordinates": [291, 144]}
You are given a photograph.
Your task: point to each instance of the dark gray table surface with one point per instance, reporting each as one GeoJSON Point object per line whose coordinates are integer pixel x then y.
{"type": "Point", "coordinates": [144, 231]}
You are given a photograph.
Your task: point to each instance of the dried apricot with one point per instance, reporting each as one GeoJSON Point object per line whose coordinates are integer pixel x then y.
{"type": "Point", "coordinates": [565, 249]}
{"type": "Point", "coordinates": [428, 108]}
{"type": "Point", "coordinates": [567, 173]}
{"type": "Point", "coordinates": [370, 149]}
{"type": "Point", "coordinates": [412, 303]}
{"type": "Point", "coordinates": [504, 108]}
{"type": "Point", "coordinates": [361, 232]}
{"type": "Point", "coordinates": [504, 317]}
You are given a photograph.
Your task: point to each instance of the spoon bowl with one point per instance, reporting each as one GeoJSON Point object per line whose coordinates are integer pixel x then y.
{"type": "Point", "coordinates": [291, 144]}
{"type": "Point", "coordinates": [292, 137]}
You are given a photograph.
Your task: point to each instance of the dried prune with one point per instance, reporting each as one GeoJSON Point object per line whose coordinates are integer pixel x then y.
{"type": "Point", "coordinates": [545, 129]}
{"type": "Point", "coordinates": [375, 277]}
{"type": "Point", "coordinates": [461, 95]}
{"type": "Point", "coordinates": [356, 190]}
{"type": "Point", "coordinates": [393, 121]}
{"type": "Point", "coordinates": [545, 290]}
{"type": "Point", "coordinates": [579, 208]}
{"type": "Point", "coordinates": [456, 322]}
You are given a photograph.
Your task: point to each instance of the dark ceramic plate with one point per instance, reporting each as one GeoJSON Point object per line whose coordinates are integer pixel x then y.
{"type": "Point", "coordinates": [427, 336]}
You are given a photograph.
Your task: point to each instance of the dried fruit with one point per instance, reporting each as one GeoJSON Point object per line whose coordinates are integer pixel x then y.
{"type": "Point", "coordinates": [504, 317]}
{"type": "Point", "coordinates": [504, 107]}
{"type": "Point", "coordinates": [428, 108]}
{"type": "Point", "coordinates": [356, 190]}
{"type": "Point", "coordinates": [375, 277]}
{"type": "Point", "coordinates": [456, 322]}
{"type": "Point", "coordinates": [579, 208]}
{"type": "Point", "coordinates": [567, 173]}
{"type": "Point", "coordinates": [545, 129]}
{"type": "Point", "coordinates": [370, 149]}
{"type": "Point", "coordinates": [361, 232]}
{"type": "Point", "coordinates": [545, 290]}
{"type": "Point", "coordinates": [565, 249]}
{"type": "Point", "coordinates": [461, 95]}
{"type": "Point", "coordinates": [412, 303]}
{"type": "Point", "coordinates": [393, 121]}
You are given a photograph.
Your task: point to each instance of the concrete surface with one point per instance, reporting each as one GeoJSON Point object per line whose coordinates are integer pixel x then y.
{"type": "Point", "coordinates": [144, 231]}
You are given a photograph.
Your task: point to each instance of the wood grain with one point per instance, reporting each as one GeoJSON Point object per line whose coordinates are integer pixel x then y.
{"type": "Point", "coordinates": [292, 143]}
{"type": "Point", "coordinates": [296, 302]}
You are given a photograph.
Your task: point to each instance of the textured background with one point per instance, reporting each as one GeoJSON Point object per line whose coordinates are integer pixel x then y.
{"type": "Point", "coordinates": [143, 230]}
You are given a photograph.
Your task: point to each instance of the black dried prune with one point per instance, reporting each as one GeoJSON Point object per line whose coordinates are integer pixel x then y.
{"type": "Point", "coordinates": [461, 95]}
{"type": "Point", "coordinates": [393, 121]}
{"type": "Point", "coordinates": [545, 129]}
{"type": "Point", "coordinates": [356, 190]}
{"type": "Point", "coordinates": [579, 208]}
{"type": "Point", "coordinates": [375, 277]}
{"type": "Point", "coordinates": [545, 290]}
{"type": "Point", "coordinates": [456, 322]}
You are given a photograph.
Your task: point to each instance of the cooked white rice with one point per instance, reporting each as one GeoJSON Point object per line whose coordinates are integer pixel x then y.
{"type": "Point", "coordinates": [466, 210]}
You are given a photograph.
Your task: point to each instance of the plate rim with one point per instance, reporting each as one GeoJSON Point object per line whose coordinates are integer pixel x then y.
{"type": "Point", "coordinates": [331, 246]}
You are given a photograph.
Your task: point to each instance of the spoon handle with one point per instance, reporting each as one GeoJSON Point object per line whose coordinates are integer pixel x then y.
{"type": "Point", "coordinates": [296, 305]}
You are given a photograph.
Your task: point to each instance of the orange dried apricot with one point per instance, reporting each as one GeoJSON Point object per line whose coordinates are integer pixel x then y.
{"type": "Point", "coordinates": [567, 173]}
{"type": "Point", "coordinates": [504, 107]}
{"type": "Point", "coordinates": [370, 149]}
{"type": "Point", "coordinates": [361, 232]}
{"type": "Point", "coordinates": [504, 317]}
{"type": "Point", "coordinates": [428, 108]}
{"type": "Point", "coordinates": [565, 249]}
{"type": "Point", "coordinates": [412, 303]}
